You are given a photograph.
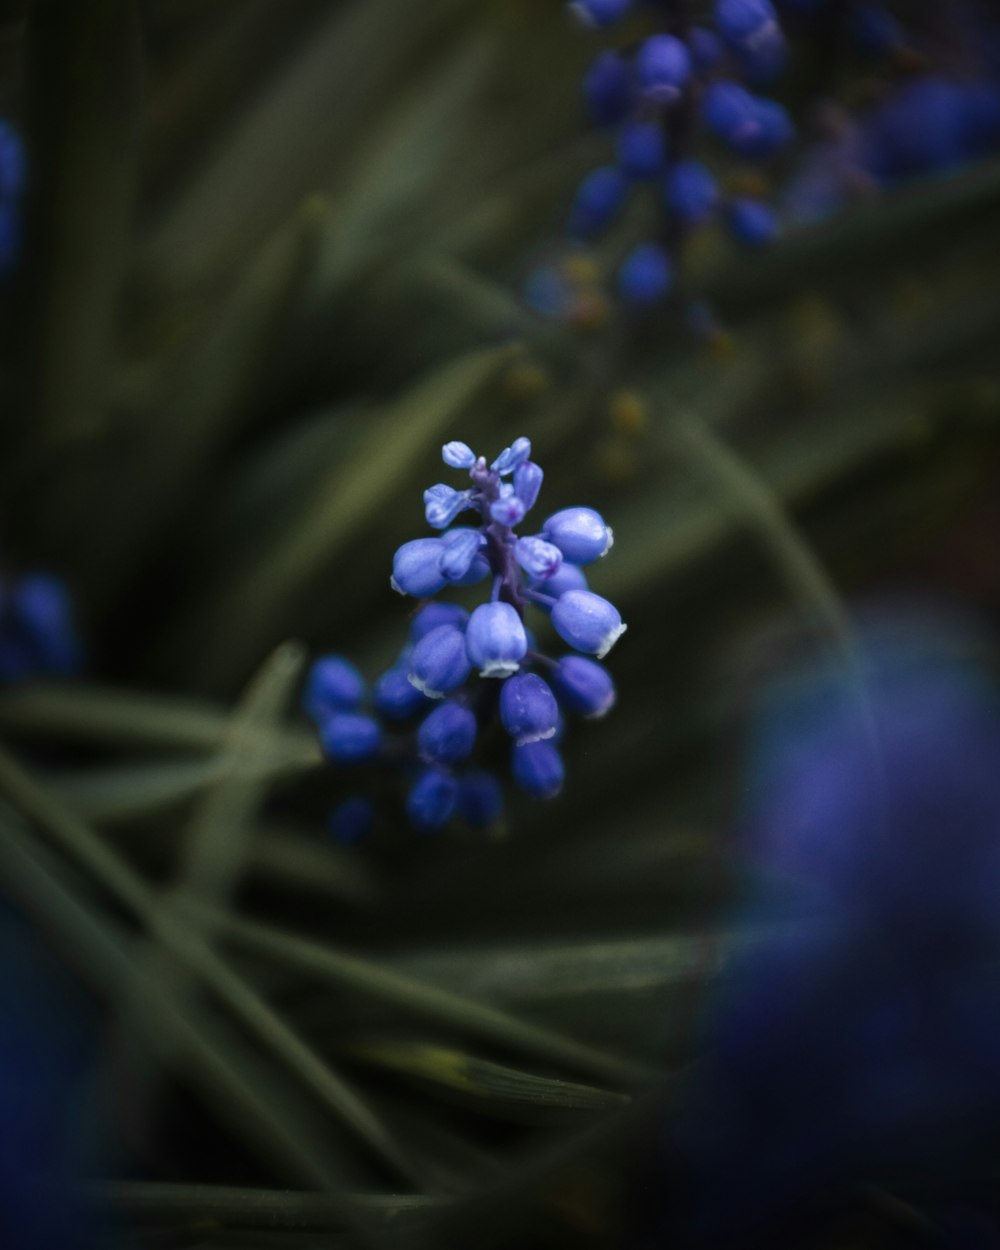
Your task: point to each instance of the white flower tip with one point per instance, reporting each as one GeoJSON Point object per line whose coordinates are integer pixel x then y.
{"type": "Point", "coordinates": [604, 708]}
{"type": "Point", "coordinates": [610, 543]}
{"type": "Point", "coordinates": [396, 586]}
{"type": "Point", "coordinates": [499, 668]}
{"type": "Point", "coordinates": [422, 686]}
{"type": "Point", "coordinates": [610, 640]}
{"type": "Point", "coordinates": [549, 733]}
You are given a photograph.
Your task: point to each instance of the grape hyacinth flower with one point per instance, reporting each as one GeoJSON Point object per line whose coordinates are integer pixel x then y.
{"type": "Point", "coordinates": [38, 636]}
{"type": "Point", "coordinates": [458, 671]}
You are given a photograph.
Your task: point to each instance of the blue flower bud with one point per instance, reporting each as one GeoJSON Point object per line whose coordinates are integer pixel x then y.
{"type": "Point", "coordinates": [641, 149]}
{"type": "Point", "coordinates": [528, 708]}
{"type": "Point", "coordinates": [579, 533]}
{"type": "Point", "coordinates": [751, 126]}
{"type": "Point", "coordinates": [539, 559]}
{"type": "Point", "coordinates": [41, 607]}
{"type": "Point", "coordinates": [691, 191]}
{"type": "Point", "coordinates": [395, 697]}
{"type": "Point", "coordinates": [508, 509]}
{"type": "Point", "coordinates": [431, 615]}
{"type": "Point", "coordinates": [662, 66]}
{"type": "Point", "coordinates": [583, 686]}
{"type": "Point", "coordinates": [448, 734]}
{"type": "Point", "coordinates": [752, 222]}
{"type": "Point", "coordinates": [646, 275]}
{"type": "Point", "coordinates": [598, 201]}
{"type": "Point", "coordinates": [587, 622]}
{"type": "Point", "coordinates": [416, 568]}
{"type": "Point", "coordinates": [537, 769]}
{"type": "Point", "coordinates": [607, 89]}
{"type": "Point", "coordinates": [477, 568]}
{"type": "Point", "coordinates": [333, 684]}
{"type": "Point", "coordinates": [443, 503]}
{"type": "Point", "coordinates": [459, 553]}
{"type": "Point", "coordinates": [439, 664]}
{"type": "Point", "coordinates": [432, 800]}
{"type": "Point", "coordinates": [351, 820]}
{"type": "Point", "coordinates": [512, 456]}
{"type": "Point", "coordinates": [13, 164]}
{"type": "Point", "coordinates": [744, 22]}
{"type": "Point", "coordinates": [527, 483]}
{"type": "Point", "coordinates": [495, 641]}
{"type": "Point", "coordinates": [458, 455]}
{"type": "Point", "coordinates": [480, 799]}
{"type": "Point", "coordinates": [600, 12]}
{"type": "Point", "coordinates": [569, 577]}
{"type": "Point", "coordinates": [349, 738]}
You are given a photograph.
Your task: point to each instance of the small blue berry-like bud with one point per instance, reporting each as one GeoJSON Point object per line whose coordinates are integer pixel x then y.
{"type": "Point", "coordinates": [416, 568]}
{"type": "Point", "coordinates": [443, 503]}
{"type": "Point", "coordinates": [351, 820]}
{"type": "Point", "coordinates": [527, 483]}
{"type": "Point", "coordinates": [395, 696]}
{"type": "Point", "coordinates": [432, 800]}
{"type": "Point", "coordinates": [600, 12]}
{"type": "Point", "coordinates": [43, 610]}
{"type": "Point", "coordinates": [691, 191]}
{"type": "Point", "coordinates": [579, 533]}
{"type": "Point", "coordinates": [607, 89]}
{"type": "Point", "coordinates": [663, 67]}
{"type": "Point", "coordinates": [645, 275]}
{"type": "Point", "coordinates": [745, 22]}
{"type": "Point", "coordinates": [459, 554]}
{"type": "Point", "coordinates": [537, 768]}
{"type": "Point", "coordinates": [431, 615]}
{"type": "Point", "coordinates": [539, 559]}
{"type": "Point", "coordinates": [438, 663]}
{"type": "Point", "coordinates": [752, 222]}
{"type": "Point", "coordinates": [528, 708]}
{"type": "Point", "coordinates": [583, 686]}
{"type": "Point", "coordinates": [332, 685]}
{"type": "Point", "coordinates": [447, 734]}
{"type": "Point", "coordinates": [598, 201]}
{"type": "Point", "coordinates": [587, 622]}
{"type": "Point", "coordinates": [13, 164]}
{"type": "Point", "coordinates": [349, 738]}
{"type": "Point", "coordinates": [480, 799]}
{"type": "Point", "coordinates": [495, 640]}
{"type": "Point", "coordinates": [641, 149]}
{"type": "Point", "coordinates": [478, 566]}
{"type": "Point", "coordinates": [751, 126]}
{"type": "Point", "coordinates": [569, 577]}
{"type": "Point", "coordinates": [512, 456]}
{"type": "Point", "coordinates": [458, 455]}
{"type": "Point", "coordinates": [508, 509]}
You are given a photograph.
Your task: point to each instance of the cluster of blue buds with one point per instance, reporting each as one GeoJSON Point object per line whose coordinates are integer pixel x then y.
{"type": "Point", "coordinates": [461, 671]}
{"type": "Point", "coordinates": [38, 637]}
{"type": "Point", "coordinates": [693, 127]}
{"type": "Point", "coordinates": [655, 99]}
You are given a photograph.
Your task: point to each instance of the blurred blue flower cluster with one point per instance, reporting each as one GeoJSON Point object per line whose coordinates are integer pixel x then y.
{"type": "Point", "coordinates": [38, 637]}
{"type": "Point", "coordinates": [692, 127]}
{"type": "Point", "coordinates": [862, 1041]}
{"type": "Point", "coordinates": [433, 680]}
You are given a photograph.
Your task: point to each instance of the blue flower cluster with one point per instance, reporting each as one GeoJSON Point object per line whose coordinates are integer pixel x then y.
{"type": "Point", "coordinates": [433, 682]}
{"type": "Point", "coordinates": [38, 637]}
{"type": "Point", "coordinates": [686, 83]}
{"type": "Point", "coordinates": [655, 98]}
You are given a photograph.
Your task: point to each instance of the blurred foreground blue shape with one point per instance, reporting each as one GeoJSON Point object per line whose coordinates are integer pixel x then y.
{"type": "Point", "coordinates": [861, 1045]}
{"type": "Point", "coordinates": [46, 1054]}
